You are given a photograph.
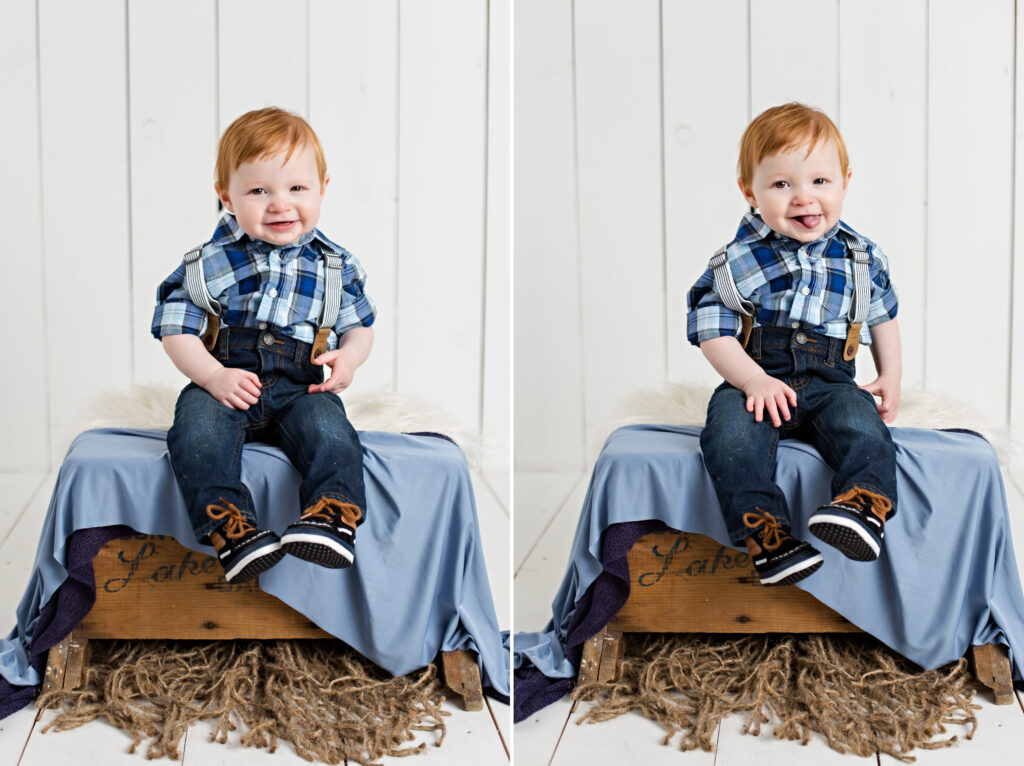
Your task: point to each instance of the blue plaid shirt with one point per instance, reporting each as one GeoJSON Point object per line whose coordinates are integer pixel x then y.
{"type": "Point", "coordinates": [791, 284]}
{"type": "Point", "coordinates": [262, 286]}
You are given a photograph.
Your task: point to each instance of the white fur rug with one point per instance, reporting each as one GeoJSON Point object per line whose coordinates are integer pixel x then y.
{"type": "Point", "coordinates": [153, 407]}
{"type": "Point", "coordinates": [686, 404]}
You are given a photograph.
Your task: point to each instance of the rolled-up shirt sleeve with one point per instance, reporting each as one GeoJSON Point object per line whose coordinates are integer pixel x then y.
{"type": "Point", "coordinates": [175, 313]}
{"type": "Point", "coordinates": [884, 299]}
{"type": "Point", "coordinates": [707, 316]}
{"type": "Point", "coordinates": [357, 309]}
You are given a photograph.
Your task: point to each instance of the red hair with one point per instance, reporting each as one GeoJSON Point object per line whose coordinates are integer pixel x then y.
{"type": "Point", "coordinates": [261, 133]}
{"type": "Point", "coordinates": [783, 128]}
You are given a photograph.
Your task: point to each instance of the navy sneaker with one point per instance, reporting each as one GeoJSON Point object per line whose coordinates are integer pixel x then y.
{"type": "Point", "coordinates": [325, 534]}
{"type": "Point", "coordinates": [853, 523]}
{"type": "Point", "coordinates": [782, 559]}
{"type": "Point", "coordinates": [243, 550]}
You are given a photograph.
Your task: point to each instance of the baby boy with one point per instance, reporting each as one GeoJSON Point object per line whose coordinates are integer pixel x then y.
{"type": "Point", "coordinates": [253, 317]}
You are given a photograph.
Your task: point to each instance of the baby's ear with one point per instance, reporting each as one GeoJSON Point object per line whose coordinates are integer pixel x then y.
{"type": "Point", "coordinates": [225, 200]}
{"type": "Point", "coordinates": [747, 193]}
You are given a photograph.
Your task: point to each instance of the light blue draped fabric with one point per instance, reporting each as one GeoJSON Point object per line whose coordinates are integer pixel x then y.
{"type": "Point", "coordinates": [419, 584]}
{"type": "Point", "coordinates": [947, 577]}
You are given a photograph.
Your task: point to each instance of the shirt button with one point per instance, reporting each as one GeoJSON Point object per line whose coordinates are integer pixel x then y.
{"type": "Point", "coordinates": [263, 325]}
{"type": "Point", "coordinates": [272, 293]}
{"type": "Point", "coordinates": [805, 291]}
{"type": "Point", "coordinates": [795, 325]}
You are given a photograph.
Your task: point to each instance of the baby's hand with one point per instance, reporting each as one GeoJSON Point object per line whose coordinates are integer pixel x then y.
{"type": "Point", "coordinates": [342, 371]}
{"type": "Point", "coordinates": [234, 388]}
{"type": "Point", "coordinates": [767, 393]}
{"type": "Point", "coordinates": [889, 391]}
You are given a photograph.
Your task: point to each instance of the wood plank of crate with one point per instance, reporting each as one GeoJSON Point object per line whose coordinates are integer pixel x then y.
{"type": "Point", "coordinates": [152, 587]}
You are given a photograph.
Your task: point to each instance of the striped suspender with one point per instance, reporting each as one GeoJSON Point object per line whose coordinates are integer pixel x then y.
{"type": "Point", "coordinates": [332, 302]}
{"type": "Point", "coordinates": [861, 295]}
{"type": "Point", "coordinates": [725, 286]}
{"type": "Point", "coordinates": [199, 294]}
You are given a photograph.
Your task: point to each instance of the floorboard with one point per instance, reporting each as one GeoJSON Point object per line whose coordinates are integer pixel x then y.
{"type": "Point", "coordinates": [536, 739]}
{"type": "Point", "coordinates": [15, 731]}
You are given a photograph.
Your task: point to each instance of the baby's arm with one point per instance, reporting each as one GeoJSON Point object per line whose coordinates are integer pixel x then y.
{"type": "Point", "coordinates": [353, 349]}
{"type": "Point", "coordinates": [887, 352]}
{"type": "Point", "coordinates": [763, 391]}
{"type": "Point", "coordinates": [230, 386]}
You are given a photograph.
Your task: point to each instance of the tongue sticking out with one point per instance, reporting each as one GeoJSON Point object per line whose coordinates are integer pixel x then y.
{"type": "Point", "coordinates": [808, 221]}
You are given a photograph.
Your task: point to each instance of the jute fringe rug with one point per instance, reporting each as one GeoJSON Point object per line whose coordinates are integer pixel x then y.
{"type": "Point", "coordinates": [861, 697]}
{"type": "Point", "coordinates": [327, 701]}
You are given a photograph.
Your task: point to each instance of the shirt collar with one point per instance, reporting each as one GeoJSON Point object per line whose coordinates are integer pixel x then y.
{"type": "Point", "coordinates": [228, 231]}
{"type": "Point", "coordinates": [753, 229]}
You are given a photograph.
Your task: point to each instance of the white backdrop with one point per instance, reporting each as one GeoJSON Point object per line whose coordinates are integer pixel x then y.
{"type": "Point", "coordinates": [627, 124]}
{"type": "Point", "coordinates": [109, 116]}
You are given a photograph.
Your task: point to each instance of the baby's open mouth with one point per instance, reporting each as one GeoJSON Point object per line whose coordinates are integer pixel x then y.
{"type": "Point", "coordinates": [280, 224]}
{"type": "Point", "coordinates": [807, 221]}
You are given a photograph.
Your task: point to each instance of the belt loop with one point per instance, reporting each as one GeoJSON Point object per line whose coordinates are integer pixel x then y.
{"type": "Point", "coordinates": [223, 341]}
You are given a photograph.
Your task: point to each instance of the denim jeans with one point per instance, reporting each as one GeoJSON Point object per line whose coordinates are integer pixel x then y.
{"type": "Point", "coordinates": [205, 442]}
{"type": "Point", "coordinates": [840, 420]}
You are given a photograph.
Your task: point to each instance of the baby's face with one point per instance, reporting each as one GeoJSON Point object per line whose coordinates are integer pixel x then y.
{"type": "Point", "coordinates": [798, 194]}
{"type": "Point", "coordinates": [276, 201]}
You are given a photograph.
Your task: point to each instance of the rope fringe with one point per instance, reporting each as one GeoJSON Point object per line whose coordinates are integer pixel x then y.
{"type": "Point", "coordinates": [323, 698]}
{"type": "Point", "coordinates": [855, 692]}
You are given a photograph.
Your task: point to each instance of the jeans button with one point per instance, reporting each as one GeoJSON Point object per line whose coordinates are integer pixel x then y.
{"type": "Point", "coordinates": [801, 338]}
{"type": "Point", "coordinates": [268, 339]}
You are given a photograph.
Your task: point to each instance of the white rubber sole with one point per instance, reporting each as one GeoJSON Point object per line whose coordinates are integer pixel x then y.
{"type": "Point", "coordinates": [797, 566]}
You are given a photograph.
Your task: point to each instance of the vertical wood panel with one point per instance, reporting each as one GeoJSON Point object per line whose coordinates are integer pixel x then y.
{"type": "Point", "coordinates": [354, 109]}
{"type": "Point", "coordinates": [882, 92]}
{"type": "Point", "coordinates": [497, 303]}
{"type": "Point", "coordinates": [793, 54]}
{"type": "Point", "coordinates": [970, 162]}
{"type": "Point", "coordinates": [548, 362]}
{"type": "Point", "coordinates": [703, 125]}
{"type": "Point", "coordinates": [442, 106]}
{"type": "Point", "coordinates": [25, 407]}
{"type": "Point", "coordinates": [173, 132]}
{"type": "Point", "coordinates": [262, 56]}
{"type": "Point", "coordinates": [85, 206]}
{"type": "Point", "coordinates": [620, 186]}
{"type": "Point", "coordinates": [1017, 295]}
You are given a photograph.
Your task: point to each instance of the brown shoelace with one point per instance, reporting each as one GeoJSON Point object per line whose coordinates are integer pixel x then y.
{"type": "Point", "coordinates": [772, 532]}
{"type": "Point", "coordinates": [861, 497]}
{"type": "Point", "coordinates": [326, 507]}
{"type": "Point", "coordinates": [235, 525]}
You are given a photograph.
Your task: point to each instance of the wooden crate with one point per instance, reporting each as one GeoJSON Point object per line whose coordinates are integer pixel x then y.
{"type": "Point", "coordinates": [151, 587]}
{"type": "Point", "coordinates": [687, 583]}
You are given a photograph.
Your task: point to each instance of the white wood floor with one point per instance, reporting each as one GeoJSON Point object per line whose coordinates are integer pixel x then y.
{"type": "Point", "coordinates": [473, 738]}
{"type": "Point", "coordinates": [546, 508]}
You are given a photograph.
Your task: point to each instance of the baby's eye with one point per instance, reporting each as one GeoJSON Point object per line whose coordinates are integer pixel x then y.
{"type": "Point", "coordinates": [821, 181]}
{"type": "Point", "coordinates": [257, 191]}
{"type": "Point", "coordinates": [298, 188]}
{"type": "Point", "coordinates": [780, 184]}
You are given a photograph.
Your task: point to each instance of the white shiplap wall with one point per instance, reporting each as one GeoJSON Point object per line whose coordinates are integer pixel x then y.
{"type": "Point", "coordinates": [107, 143]}
{"type": "Point", "coordinates": [628, 118]}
